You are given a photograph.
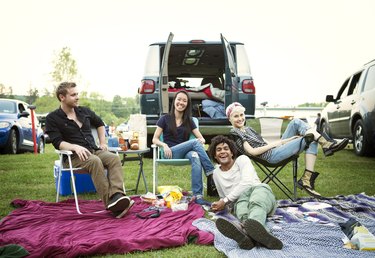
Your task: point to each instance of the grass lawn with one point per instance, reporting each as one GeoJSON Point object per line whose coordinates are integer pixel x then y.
{"type": "Point", "coordinates": [29, 176]}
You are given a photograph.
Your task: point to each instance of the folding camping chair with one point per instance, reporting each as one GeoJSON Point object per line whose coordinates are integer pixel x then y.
{"type": "Point", "coordinates": [158, 158]}
{"type": "Point", "coordinates": [271, 128]}
{"type": "Point", "coordinates": [271, 131]}
{"type": "Point", "coordinates": [272, 170]}
{"type": "Point", "coordinates": [73, 171]}
{"type": "Point", "coordinates": [59, 169]}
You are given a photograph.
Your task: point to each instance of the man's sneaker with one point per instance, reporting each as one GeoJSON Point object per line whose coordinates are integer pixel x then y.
{"type": "Point", "coordinates": [123, 213]}
{"type": "Point", "coordinates": [235, 232]}
{"type": "Point", "coordinates": [118, 202]}
{"type": "Point", "coordinates": [259, 234]}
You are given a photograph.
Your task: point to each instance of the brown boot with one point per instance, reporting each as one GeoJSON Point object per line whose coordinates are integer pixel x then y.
{"type": "Point", "coordinates": [329, 147]}
{"type": "Point", "coordinates": [307, 182]}
{"type": "Point", "coordinates": [313, 177]}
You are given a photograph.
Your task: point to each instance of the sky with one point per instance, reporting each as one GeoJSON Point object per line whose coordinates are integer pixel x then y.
{"type": "Point", "coordinates": [299, 50]}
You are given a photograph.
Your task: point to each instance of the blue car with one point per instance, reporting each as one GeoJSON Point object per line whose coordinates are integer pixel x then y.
{"type": "Point", "coordinates": [16, 128]}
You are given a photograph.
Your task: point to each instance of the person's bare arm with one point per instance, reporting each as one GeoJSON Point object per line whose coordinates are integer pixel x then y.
{"type": "Point", "coordinates": [199, 136]}
{"type": "Point", "coordinates": [156, 140]}
{"type": "Point", "coordinates": [101, 135]}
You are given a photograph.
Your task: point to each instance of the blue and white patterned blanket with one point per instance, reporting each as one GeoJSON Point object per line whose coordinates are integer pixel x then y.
{"type": "Point", "coordinates": [318, 237]}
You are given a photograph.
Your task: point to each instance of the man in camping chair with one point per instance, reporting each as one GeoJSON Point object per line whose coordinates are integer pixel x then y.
{"type": "Point", "coordinates": [69, 128]}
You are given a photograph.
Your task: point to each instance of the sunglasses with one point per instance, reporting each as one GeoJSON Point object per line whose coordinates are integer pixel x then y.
{"type": "Point", "coordinates": [149, 213]}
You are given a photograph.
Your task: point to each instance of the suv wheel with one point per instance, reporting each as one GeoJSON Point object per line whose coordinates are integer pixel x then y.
{"type": "Point", "coordinates": [360, 142]}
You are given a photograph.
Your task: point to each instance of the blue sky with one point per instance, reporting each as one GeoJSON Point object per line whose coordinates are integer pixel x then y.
{"type": "Point", "coordinates": [299, 50]}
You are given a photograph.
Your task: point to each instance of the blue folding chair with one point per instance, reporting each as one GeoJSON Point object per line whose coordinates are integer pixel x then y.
{"type": "Point", "coordinates": [158, 158]}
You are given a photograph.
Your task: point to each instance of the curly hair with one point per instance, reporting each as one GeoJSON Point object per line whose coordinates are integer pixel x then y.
{"type": "Point", "coordinates": [218, 140]}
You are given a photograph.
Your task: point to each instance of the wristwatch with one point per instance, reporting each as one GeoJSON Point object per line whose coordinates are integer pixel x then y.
{"type": "Point", "coordinates": [226, 200]}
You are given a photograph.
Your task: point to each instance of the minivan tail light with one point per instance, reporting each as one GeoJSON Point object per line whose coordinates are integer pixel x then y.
{"type": "Point", "coordinates": [147, 87]}
{"type": "Point", "coordinates": [248, 87]}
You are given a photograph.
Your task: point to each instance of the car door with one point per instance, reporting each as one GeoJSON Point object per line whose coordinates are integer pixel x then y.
{"type": "Point", "coordinates": [345, 106]}
{"type": "Point", "coordinates": [230, 74]}
{"type": "Point", "coordinates": [332, 109]}
{"type": "Point", "coordinates": [26, 138]}
{"type": "Point", "coordinates": [367, 96]}
{"type": "Point", "coordinates": [163, 78]}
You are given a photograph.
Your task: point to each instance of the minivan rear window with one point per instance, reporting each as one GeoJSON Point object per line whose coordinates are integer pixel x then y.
{"type": "Point", "coordinates": [152, 67]}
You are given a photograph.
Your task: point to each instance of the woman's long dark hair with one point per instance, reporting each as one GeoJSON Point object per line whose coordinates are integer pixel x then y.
{"type": "Point", "coordinates": [186, 117]}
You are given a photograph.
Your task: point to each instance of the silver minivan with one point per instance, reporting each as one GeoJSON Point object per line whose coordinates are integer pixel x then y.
{"type": "Point", "coordinates": [351, 114]}
{"type": "Point", "coordinates": [208, 70]}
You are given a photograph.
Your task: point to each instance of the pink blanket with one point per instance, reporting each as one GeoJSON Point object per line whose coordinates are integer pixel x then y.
{"type": "Point", "coordinates": [55, 229]}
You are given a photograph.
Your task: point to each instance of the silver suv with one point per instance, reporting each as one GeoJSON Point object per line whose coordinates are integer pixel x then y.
{"type": "Point", "coordinates": [217, 71]}
{"type": "Point", "coordinates": [352, 113]}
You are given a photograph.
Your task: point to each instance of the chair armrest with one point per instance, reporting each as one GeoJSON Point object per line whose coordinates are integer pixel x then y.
{"type": "Point", "coordinates": [155, 151]}
{"type": "Point", "coordinates": [64, 152]}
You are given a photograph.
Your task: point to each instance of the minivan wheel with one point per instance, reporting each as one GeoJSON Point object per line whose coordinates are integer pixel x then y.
{"type": "Point", "coordinates": [360, 143]}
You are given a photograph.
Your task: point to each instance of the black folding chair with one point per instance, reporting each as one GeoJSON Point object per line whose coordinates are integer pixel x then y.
{"type": "Point", "coordinates": [272, 170]}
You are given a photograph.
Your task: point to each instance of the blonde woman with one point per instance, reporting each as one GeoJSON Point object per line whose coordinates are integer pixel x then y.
{"type": "Point", "coordinates": [298, 137]}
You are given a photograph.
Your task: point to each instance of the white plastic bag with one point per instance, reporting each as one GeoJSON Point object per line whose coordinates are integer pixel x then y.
{"type": "Point", "coordinates": [137, 123]}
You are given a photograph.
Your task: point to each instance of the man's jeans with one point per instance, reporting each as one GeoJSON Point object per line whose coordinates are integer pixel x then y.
{"type": "Point", "coordinates": [195, 152]}
{"type": "Point", "coordinates": [295, 127]}
{"type": "Point", "coordinates": [105, 185]}
{"type": "Point", "coordinates": [256, 203]}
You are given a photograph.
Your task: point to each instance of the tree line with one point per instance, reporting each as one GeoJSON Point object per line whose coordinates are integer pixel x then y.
{"type": "Point", "coordinates": [64, 68]}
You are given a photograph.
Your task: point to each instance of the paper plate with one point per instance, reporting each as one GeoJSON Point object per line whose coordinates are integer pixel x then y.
{"type": "Point", "coordinates": [316, 205]}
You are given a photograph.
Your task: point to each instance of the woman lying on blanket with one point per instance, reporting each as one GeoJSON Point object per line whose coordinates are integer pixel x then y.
{"type": "Point", "coordinates": [239, 188]}
{"type": "Point", "coordinates": [176, 128]}
{"type": "Point", "coordinates": [298, 136]}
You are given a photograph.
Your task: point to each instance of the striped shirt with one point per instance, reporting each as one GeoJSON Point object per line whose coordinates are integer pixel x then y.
{"type": "Point", "coordinates": [252, 137]}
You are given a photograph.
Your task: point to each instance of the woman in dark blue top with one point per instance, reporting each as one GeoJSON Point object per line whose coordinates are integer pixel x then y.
{"type": "Point", "coordinates": [176, 128]}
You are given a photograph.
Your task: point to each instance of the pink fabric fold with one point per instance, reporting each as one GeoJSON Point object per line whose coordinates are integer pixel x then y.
{"type": "Point", "coordinates": [55, 229]}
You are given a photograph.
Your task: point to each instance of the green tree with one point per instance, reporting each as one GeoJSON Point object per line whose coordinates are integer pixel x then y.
{"type": "Point", "coordinates": [32, 95]}
{"type": "Point", "coordinates": [64, 67]}
{"type": "Point", "coordinates": [6, 92]}
{"type": "Point", "coordinates": [118, 106]}
{"type": "Point", "coordinates": [46, 104]}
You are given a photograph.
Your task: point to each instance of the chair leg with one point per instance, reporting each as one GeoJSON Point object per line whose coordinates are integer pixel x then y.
{"type": "Point", "coordinates": [58, 184]}
{"type": "Point", "coordinates": [153, 173]}
{"type": "Point", "coordinates": [59, 174]}
{"type": "Point", "coordinates": [74, 185]}
{"type": "Point", "coordinates": [295, 169]}
{"type": "Point", "coordinates": [271, 175]}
